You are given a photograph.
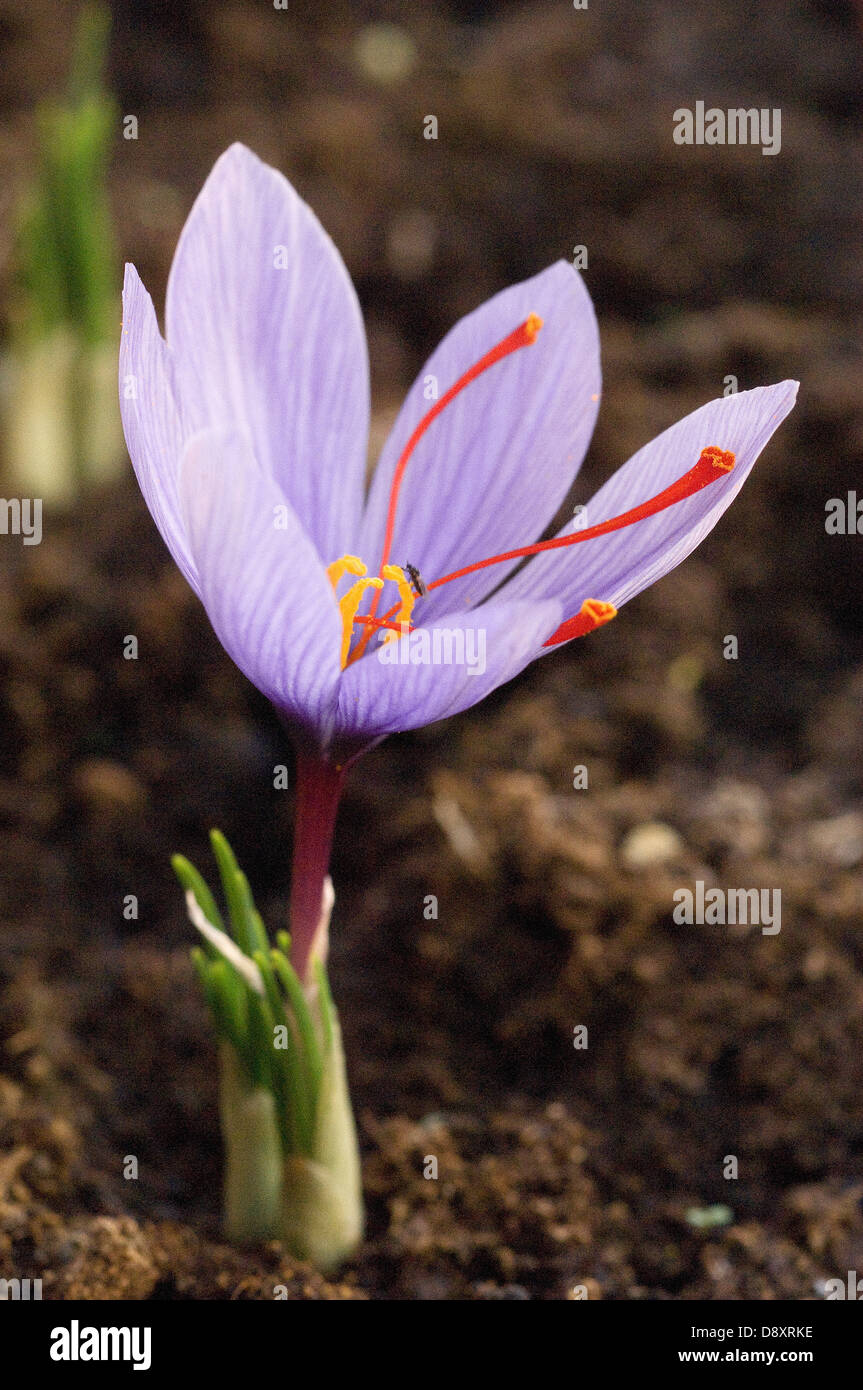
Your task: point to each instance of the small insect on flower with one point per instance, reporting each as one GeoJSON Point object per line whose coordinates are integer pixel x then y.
{"type": "Point", "coordinates": [418, 584]}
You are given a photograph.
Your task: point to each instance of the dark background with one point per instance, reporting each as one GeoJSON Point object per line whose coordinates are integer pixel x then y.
{"type": "Point", "coordinates": [557, 1167]}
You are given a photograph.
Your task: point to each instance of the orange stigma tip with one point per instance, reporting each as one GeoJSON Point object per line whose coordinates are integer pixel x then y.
{"type": "Point", "coordinates": [598, 611]}
{"type": "Point", "coordinates": [721, 459]}
{"type": "Point", "coordinates": [533, 323]}
{"type": "Point", "coordinates": [594, 613]}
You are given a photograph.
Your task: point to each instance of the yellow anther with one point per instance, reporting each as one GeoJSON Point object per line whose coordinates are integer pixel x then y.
{"type": "Point", "coordinates": [348, 564]}
{"type": "Point", "coordinates": [349, 605]}
{"type": "Point", "coordinates": [350, 602]}
{"type": "Point", "coordinates": [395, 573]}
{"type": "Point", "coordinates": [407, 599]}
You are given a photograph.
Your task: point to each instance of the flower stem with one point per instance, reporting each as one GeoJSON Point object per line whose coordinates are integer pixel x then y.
{"type": "Point", "coordinates": [319, 786]}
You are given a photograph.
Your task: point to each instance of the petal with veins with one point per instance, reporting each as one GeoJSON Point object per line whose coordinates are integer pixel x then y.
{"type": "Point", "coordinates": [151, 418]}
{"type": "Point", "coordinates": [496, 464]}
{"type": "Point", "coordinates": [266, 329]}
{"type": "Point", "coordinates": [262, 583]}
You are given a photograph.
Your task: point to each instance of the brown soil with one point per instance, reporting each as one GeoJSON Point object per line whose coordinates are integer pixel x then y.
{"type": "Point", "coordinates": [557, 1166]}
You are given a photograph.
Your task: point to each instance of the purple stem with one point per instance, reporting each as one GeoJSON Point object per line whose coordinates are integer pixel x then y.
{"type": "Point", "coordinates": [319, 787]}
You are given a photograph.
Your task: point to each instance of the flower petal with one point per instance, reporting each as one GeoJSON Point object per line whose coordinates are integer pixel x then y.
{"type": "Point", "coordinates": [476, 652]}
{"type": "Point", "coordinates": [151, 418]}
{"type": "Point", "coordinates": [261, 580]}
{"type": "Point", "coordinates": [617, 566]}
{"type": "Point", "coordinates": [496, 464]}
{"type": "Point", "coordinates": [265, 326]}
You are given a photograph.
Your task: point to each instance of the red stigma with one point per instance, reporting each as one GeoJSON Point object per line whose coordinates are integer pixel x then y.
{"type": "Point", "coordinates": [592, 614]}
{"type": "Point", "coordinates": [712, 463]}
{"type": "Point", "coordinates": [523, 336]}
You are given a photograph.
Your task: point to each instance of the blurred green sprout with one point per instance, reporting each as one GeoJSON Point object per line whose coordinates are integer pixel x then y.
{"type": "Point", "coordinates": [62, 426]}
{"type": "Point", "coordinates": [66, 250]}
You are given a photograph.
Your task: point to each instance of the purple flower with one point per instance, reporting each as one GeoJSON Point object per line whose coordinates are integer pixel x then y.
{"type": "Point", "coordinates": [247, 426]}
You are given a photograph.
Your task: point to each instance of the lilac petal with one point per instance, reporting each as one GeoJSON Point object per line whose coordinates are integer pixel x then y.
{"type": "Point", "coordinates": [262, 583]}
{"type": "Point", "coordinates": [278, 352]}
{"type": "Point", "coordinates": [377, 698]}
{"type": "Point", "coordinates": [495, 465]}
{"type": "Point", "coordinates": [151, 419]}
{"type": "Point", "coordinates": [617, 566]}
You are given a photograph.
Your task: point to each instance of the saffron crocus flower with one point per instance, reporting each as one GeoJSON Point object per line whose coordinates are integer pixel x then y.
{"type": "Point", "coordinates": [247, 426]}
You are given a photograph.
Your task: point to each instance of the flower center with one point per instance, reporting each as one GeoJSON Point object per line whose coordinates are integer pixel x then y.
{"type": "Point", "coordinates": [396, 622]}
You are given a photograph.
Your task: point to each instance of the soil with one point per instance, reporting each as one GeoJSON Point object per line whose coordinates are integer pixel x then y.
{"type": "Point", "coordinates": [560, 1168]}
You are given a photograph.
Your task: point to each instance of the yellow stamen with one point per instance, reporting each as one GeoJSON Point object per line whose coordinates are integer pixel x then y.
{"type": "Point", "coordinates": [348, 564]}
{"type": "Point", "coordinates": [348, 606]}
{"type": "Point", "coordinates": [350, 601]}
{"type": "Point", "coordinates": [407, 599]}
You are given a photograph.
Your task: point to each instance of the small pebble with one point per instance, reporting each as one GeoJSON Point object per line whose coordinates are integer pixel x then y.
{"type": "Point", "coordinates": [651, 843]}
{"type": "Point", "coordinates": [840, 839]}
{"type": "Point", "coordinates": [385, 53]}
